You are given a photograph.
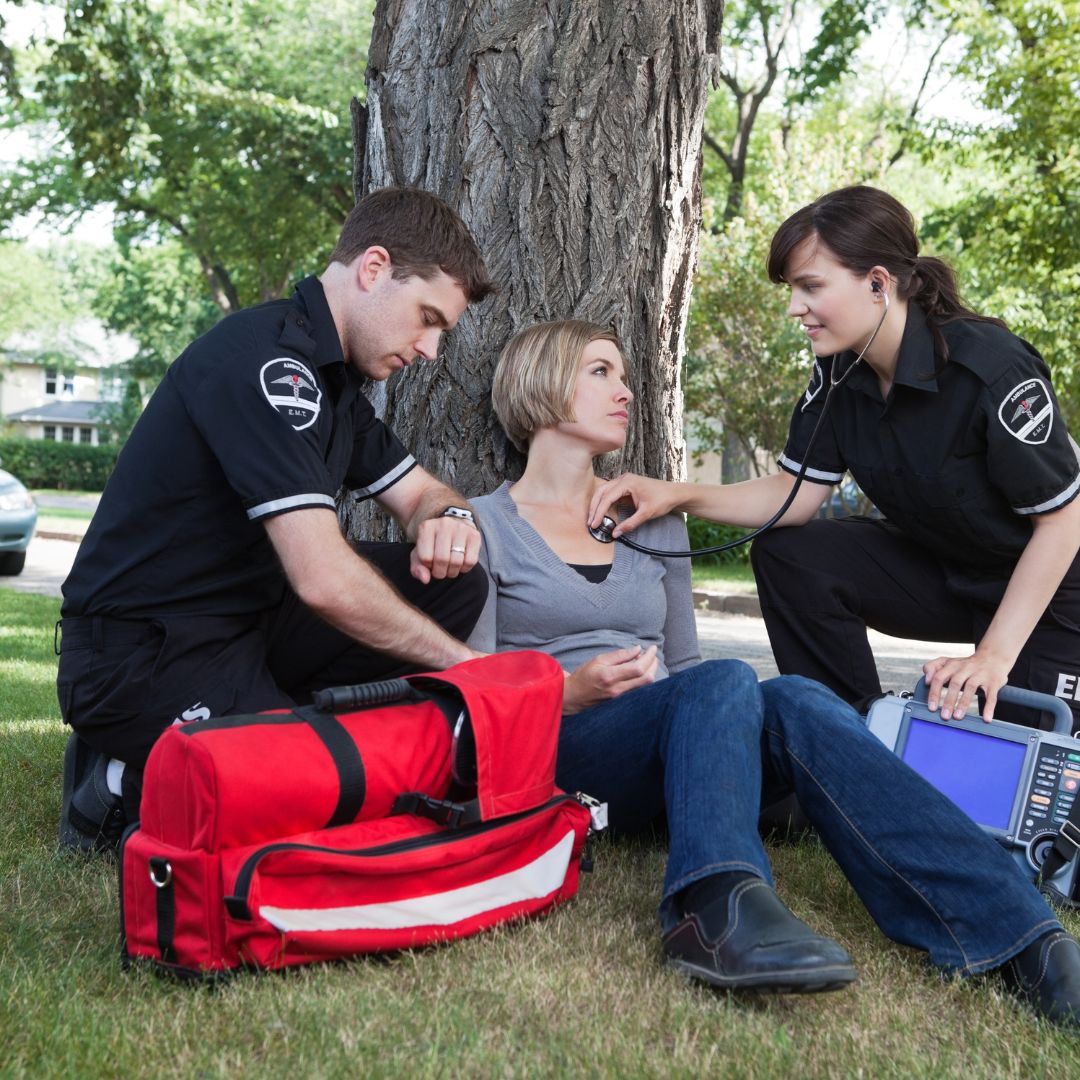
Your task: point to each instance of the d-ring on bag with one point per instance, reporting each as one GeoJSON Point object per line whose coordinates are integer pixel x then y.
{"type": "Point", "coordinates": [387, 816]}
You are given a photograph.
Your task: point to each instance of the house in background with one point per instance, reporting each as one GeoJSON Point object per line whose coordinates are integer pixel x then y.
{"type": "Point", "coordinates": [45, 395]}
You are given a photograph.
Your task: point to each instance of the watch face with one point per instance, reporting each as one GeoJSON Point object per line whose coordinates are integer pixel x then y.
{"type": "Point", "coordinates": [458, 512]}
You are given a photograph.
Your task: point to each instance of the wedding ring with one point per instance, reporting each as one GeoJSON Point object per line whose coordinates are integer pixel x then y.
{"type": "Point", "coordinates": [458, 549]}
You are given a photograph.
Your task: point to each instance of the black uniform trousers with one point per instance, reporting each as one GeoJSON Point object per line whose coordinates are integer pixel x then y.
{"type": "Point", "coordinates": [122, 682]}
{"type": "Point", "coordinates": [823, 583]}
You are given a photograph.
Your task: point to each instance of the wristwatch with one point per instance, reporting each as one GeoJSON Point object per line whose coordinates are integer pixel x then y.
{"type": "Point", "coordinates": [460, 512]}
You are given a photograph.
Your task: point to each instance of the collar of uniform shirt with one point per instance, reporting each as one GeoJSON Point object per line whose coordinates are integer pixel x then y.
{"type": "Point", "coordinates": [319, 323]}
{"type": "Point", "coordinates": [915, 365]}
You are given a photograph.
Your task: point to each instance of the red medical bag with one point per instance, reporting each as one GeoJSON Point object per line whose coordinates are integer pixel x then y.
{"type": "Point", "coordinates": [387, 816]}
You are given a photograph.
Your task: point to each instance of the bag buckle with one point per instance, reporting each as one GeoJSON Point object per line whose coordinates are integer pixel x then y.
{"type": "Point", "coordinates": [444, 812]}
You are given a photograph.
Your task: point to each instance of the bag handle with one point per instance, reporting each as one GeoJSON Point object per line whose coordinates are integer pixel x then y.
{"type": "Point", "coordinates": [364, 695]}
{"type": "Point", "coordinates": [1018, 695]}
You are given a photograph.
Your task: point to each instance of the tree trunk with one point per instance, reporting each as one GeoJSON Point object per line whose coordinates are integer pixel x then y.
{"type": "Point", "coordinates": [568, 137]}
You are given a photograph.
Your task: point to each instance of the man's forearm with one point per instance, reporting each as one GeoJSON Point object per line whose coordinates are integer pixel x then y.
{"type": "Point", "coordinates": [353, 596]}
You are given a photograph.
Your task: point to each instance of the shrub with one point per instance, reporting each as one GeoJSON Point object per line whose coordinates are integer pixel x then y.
{"type": "Point", "coordinates": [39, 463]}
{"type": "Point", "coordinates": [707, 533]}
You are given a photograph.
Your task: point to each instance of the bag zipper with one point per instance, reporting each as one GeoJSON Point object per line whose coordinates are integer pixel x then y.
{"type": "Point", "coordinates": [237, 907]}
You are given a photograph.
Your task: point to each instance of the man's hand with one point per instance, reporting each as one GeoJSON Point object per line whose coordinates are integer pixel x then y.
{"type": "Point", "coordinates": [607, 676]}
{"type": "Point", "coordinates": [445, 547]}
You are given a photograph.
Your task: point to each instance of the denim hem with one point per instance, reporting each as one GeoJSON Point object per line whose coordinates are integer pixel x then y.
{"type": "Point", "coordinates": [666, 909]}
{"type": "Point", "coordinates": [979, 967]}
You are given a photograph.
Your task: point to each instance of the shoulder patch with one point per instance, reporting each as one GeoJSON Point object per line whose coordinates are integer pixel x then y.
{"type": "Point", "coordinates": [817, 381]}
{"type": "Point", "coordinates": [1027, 412]}
{"type": "Point", "coordinates": [291, 388]}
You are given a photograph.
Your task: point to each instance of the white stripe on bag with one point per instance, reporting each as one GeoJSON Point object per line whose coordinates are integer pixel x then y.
{"type": "Point", "coordinates": [539, 878]}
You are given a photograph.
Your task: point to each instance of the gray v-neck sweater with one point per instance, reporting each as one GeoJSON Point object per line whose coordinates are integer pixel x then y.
{"type": "Point", "coordinates": [538, 602]}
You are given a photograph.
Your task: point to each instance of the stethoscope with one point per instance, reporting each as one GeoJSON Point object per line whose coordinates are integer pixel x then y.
{"type": "Point", "coordinates": [603, 531]}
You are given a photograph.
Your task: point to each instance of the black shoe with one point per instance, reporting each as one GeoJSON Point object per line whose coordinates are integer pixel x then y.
{"type": "Point", "coordinates": [91, 816]}
{"type": "Point", "coordinates": [1046, 975]}
{"type": "Point", "coordinates": [764, 948]}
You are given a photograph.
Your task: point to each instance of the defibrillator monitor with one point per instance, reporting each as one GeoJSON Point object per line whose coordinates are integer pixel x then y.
{"type": "Point", "coordinates": [1018, 783]}
{"type": "Point", "coordinates": [980, 773]}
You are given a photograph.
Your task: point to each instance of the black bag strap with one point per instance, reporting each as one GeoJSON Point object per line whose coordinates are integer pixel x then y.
{"type": "Point", "coordinates": [343, 751]}
{"type": "Point", "coordinates": [161, 875]}
{"type": "Point", "coordinates": [1065, 848]}
{"type": "Point", "coordinates": [352, 781]}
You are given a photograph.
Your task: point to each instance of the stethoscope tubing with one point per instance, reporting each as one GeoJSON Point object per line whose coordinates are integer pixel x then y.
{"type": "Point", "coordinates": [715, 549]}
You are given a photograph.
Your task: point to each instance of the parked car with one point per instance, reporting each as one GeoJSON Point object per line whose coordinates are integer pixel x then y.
{"type": "Point", "coordinates": [18, 518]}
{"type": "Point", "coordinates": [847, 499]}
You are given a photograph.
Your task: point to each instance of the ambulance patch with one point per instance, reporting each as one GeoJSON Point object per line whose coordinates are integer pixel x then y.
{"type": "Point", "coordinates": [817, 381]}
{"type": "Point", "coordinates": [1027, 412]}
{"type": "Point", "coordinates": [291, 388]}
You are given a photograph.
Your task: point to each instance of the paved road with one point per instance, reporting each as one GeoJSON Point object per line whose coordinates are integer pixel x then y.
{"type": "Point", "coordinates": [721, 635]}
{"type": "Point", "coordinates": [47, 564]}
{"type": "Point", "coordinates": [66, 502]}
{"type": "Point", "coordinates": [899, 660]}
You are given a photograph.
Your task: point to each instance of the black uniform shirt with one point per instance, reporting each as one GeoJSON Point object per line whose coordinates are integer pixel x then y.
{"type": "Point", "coordinates": [259, 416]}
{"type": "Point", "coordinates": [959, 461]}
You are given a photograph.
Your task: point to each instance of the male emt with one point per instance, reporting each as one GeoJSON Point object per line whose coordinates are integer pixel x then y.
{"type": "Point", "coordinates": [214, 578]}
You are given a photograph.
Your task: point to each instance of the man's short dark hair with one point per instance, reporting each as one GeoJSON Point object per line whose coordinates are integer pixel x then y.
{"type": "Point", "coordinates": [422, 234]}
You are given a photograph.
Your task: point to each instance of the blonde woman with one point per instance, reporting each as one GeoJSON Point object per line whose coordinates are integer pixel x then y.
{"type": "Point", "coordinates": [652, 730]}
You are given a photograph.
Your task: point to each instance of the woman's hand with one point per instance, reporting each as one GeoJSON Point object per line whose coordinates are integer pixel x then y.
{"type": "Point", "coordinates": [953, 681]}
{"type": "Point", "coordinates": [651, 498]}
{"type": "Point", "coordinates": [607, 676]}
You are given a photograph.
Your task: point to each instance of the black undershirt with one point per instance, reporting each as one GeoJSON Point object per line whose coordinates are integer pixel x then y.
{"type": "Point", "coordinates": [594, 572]}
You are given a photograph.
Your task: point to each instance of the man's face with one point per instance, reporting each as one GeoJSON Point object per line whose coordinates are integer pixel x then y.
{"type": "Point", "coordinates": [402, 320]}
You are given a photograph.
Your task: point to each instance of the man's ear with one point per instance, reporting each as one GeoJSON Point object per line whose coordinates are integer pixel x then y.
{"type": "Point", "coordinates": [371, 267]}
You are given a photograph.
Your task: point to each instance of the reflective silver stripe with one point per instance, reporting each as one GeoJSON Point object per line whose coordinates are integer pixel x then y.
{"type": "Point", "coordinates": [812, 474]}
{"type": "Point", "coordinates": [392, 477]}
{"type": "Point", "coordinates": [1051, 504]}
{"type": "Point", "coordinates": [538, 879]}
{"type": "Point", "coordinates": [291, 503]}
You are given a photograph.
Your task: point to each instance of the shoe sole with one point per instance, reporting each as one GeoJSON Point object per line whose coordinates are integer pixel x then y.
{"type": "Point", "coordinates": [818, 981]}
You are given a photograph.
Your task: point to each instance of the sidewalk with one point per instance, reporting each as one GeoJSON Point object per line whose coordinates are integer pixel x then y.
{"type": "Point", "coordinates": [745, 603]}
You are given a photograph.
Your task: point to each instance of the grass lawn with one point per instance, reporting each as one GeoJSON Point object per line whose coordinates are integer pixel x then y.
{"type": "Point", "coordinates": [580, 993]}
{"type": "Point", "coordinates": [723, 577]}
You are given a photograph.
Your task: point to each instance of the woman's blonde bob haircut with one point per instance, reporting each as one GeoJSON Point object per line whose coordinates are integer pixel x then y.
{"type": "Point", "coordinates": [536, 373]}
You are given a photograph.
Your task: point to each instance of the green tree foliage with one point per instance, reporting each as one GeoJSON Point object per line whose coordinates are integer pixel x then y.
{"type": "Point", "coordinates": [48, 300]}
{"type": "Point", "coordinates": [222, 125]}
{"type": "Point", "coordinates": [1015, 235]}
{"type": "Point", "coordinates": [155, 294]}
{"type": "Point", "coordinates": [747, 363]}
{"type": "Point", "coordinates": [117, 418]}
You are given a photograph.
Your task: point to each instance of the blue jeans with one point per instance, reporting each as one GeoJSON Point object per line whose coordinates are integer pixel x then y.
{"type": "Point", "coordinates": [710, 744]}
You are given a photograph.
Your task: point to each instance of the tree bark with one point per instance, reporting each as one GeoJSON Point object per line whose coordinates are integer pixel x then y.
{"type": "Point", "coordinates": [568, 136]}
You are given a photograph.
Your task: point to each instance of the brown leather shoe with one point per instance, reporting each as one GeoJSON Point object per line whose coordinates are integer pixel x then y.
{"type": "Point", "coordinates": [764, 948]}
{"type": "Point", "coordinates": [1046, 976]}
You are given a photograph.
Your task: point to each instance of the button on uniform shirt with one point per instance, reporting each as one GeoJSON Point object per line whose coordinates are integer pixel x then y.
{"type": "Point", "coordinates": [959, 459]}
{"type": "Point", "coordinates": [260, 416]}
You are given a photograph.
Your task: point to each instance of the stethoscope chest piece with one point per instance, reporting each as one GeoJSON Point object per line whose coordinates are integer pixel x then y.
{"type": "Point", "coordinates": [603, 531]}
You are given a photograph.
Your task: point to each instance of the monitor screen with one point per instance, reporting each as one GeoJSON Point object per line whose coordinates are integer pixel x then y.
{"type": "Point", "coordinates": [979, 773]}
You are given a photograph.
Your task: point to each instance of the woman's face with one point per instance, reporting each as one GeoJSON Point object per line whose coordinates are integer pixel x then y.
{"type": "Point", "coordinates": [836, 307]}
{"type": "Point", "coordinates": [601, 398]}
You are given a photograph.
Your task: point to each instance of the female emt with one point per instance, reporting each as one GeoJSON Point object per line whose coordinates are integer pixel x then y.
{"type": "Point", "coordinates": [950, 425]}
{"type": "Point", "coordinates": [649, 727]}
